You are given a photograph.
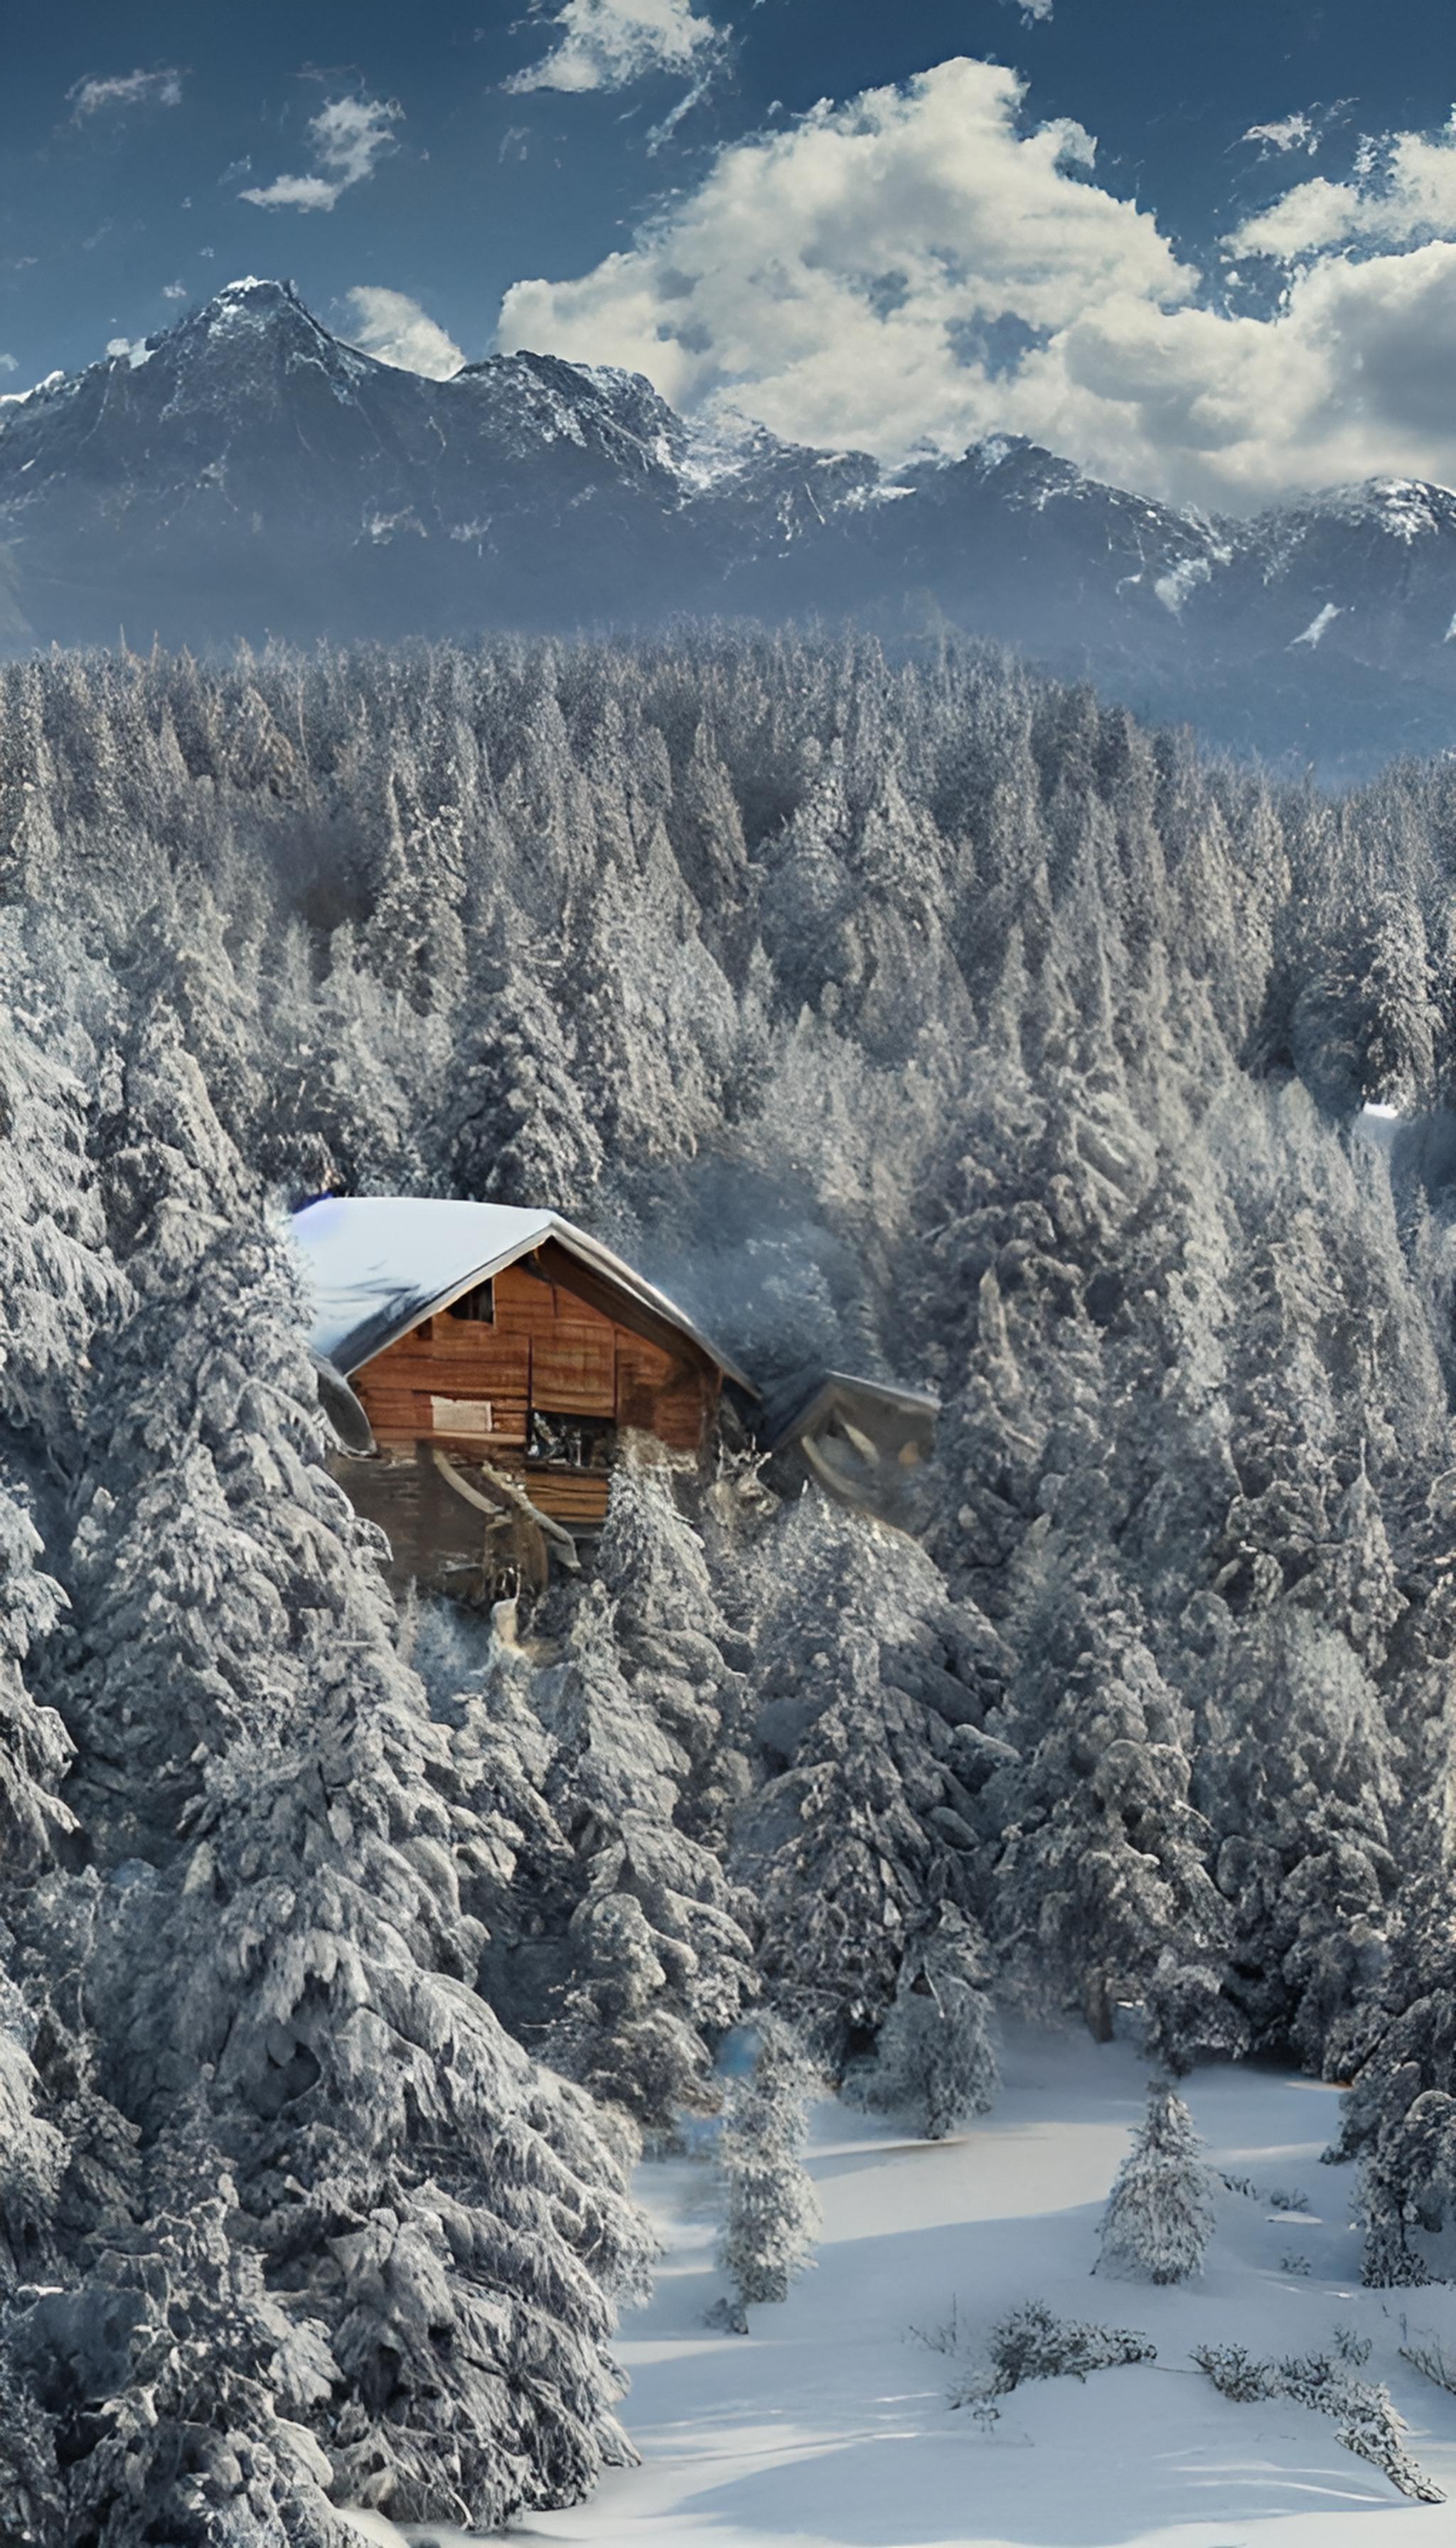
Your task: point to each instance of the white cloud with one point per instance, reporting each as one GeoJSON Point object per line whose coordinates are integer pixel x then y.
{"type": "Point", "coordinates": [8, 363]}
{"type": "Point", "coordinates": [133, 88]}
{"type": "Point", "coordinates": [1309, 216]}
{"type": "Point", "coordinates": [1403, 189]}
{"type": "Point", "coordinates": [834, 275]}
{"type": "Point", "coordinates": [1291, 132]}
{"type": "Point", "coordinates": [299, 194]}
{"type": "Point", "coordinates": [350, 133]}
{"type": "Point", "coordinates": [608, 44]}
{"type": "Point", "coordinates": [174, 292]}
{"type": "Point", "coordinates": [918, 268]}
{"type": "Point", "coordinates": [347, 137]}
{"type": "Point", "coordinates": [1032, 10]}
{"type": "Point", "coordinates": [395, 328]}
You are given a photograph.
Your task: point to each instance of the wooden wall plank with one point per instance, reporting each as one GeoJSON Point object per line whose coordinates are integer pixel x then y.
{"type": "Point", "coordinates": [574, 1371]}
{"type": "Point", "coordinates": [567, 1497]}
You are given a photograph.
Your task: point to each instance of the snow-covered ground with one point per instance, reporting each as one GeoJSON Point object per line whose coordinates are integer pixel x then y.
{"type": "Point", "coordinates": [829, 2423]}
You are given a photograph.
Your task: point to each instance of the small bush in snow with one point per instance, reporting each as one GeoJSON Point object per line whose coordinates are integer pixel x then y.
{"type": "Point", "coordinates": [1235, 2374]}
{"type": "Point", "coordinates": [1295, 2265]}
{"type": "Point", "coordinates": [1368, 2423]}
{"type": "Point", "coordinates": [1159, 2215]}
{"type": "Point", "coordinates": [1028, 2344]}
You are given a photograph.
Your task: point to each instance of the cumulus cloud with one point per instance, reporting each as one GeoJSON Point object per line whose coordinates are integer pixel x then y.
{"type": "Point", "coordinates": [8, 363]}
{"type": "Point", "coordinates": [131, 88]}
{"type": "Point", "coordinates": [835, 275]}
{"type": "Point", "coordinates": [1403, 189]}
{"type": "Point", "coordinates": [395, 328]}
{"type": "Point", "coordinates": [608, 44]}
{"type": "Point", "coordinates": [1032, 10]}
{"type": "Point", "coordinates": [921, 267]}
{"type": "Point", "coordinates": [347, 138]}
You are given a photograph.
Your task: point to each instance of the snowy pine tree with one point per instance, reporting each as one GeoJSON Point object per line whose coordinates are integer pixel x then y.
{"type": "Point", "coordinates": [934, 2059]}
{"type": "Point", "coordinates": [283, 1960]}
{"type": "Point", "coordinates": [770, 2211]}
{"type": "Point", "coordinates": [1102, 1884]}
{"type": "Point", "coordinates": [1160, 2213]}
{"type": "Point", "coordinates": [660, 1964]}
{"type": "Point", "coordinates": [864, 1826]}
{"type": "Point", "coordinates": [671, 1634]}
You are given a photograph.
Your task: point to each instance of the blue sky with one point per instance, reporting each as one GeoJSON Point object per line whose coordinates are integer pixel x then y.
{"type": "Point", "coordinates": [1208, 252]}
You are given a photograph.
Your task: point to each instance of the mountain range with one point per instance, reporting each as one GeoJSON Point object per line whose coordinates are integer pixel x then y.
{"type": "Point", "coordinates": [247, 475]}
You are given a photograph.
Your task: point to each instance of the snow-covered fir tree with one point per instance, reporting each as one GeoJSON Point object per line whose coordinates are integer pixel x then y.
{"type": "Point", "coordinates": [672, 1633]}
{"type": "Point", "coordinates": [284, 1966]}
{"type": "Point", "coordinates": [1159, 2215]}
{"type": "Point", "coordinates": [935, 2057]}
{"type": "Point", "coordinates": [1101, 1887]}
{"type": "Point", "coordinates": [872, 1682]}
{"type": "Point", "coordinates": [770, 2211]}
{"type": "Point", "coordinates": [661, 1965]}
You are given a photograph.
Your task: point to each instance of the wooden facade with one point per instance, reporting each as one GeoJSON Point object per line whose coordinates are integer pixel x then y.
{"type": "Point", "coordinates": [481, 1365]}
{"type": "Point", "coordinates": [531, 1376]}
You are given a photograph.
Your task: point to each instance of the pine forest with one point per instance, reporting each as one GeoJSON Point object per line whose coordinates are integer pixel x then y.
{"type": "Point", "coordinates": [901, 1014]}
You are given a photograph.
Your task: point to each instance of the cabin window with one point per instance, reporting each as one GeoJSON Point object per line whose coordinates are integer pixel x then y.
{"type": "Point", "coordinates": [478, 1304]}
{"type": "Point", "coordinates": [472, 1416]}
{"type": "Point", "coordinates": [570, 1441]}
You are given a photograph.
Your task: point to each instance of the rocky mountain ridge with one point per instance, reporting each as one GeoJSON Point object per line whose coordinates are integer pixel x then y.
{"type": "Point", "coordinates": [247, 473]}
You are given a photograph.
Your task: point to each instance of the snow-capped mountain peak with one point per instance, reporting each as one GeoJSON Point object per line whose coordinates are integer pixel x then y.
{"type": "Point", "coordinates": [247, 472]}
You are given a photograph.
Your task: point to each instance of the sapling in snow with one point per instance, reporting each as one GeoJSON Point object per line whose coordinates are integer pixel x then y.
{"type": "Point", "coordinates": [770, 2211]}
{"type": "Point", "coordinates": [1160, 2212]}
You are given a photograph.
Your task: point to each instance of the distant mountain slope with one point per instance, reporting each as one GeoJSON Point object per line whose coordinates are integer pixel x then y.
{"type": "Point", "coordinates": [247, 475]}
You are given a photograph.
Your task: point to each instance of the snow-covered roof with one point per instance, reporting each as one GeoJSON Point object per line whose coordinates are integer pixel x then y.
{"type": "Point", "coordinates": [379, 1263]}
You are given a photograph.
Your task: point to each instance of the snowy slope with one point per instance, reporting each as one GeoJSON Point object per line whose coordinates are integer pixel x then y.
{"type": "Point", "coordinates": [829, 2425]}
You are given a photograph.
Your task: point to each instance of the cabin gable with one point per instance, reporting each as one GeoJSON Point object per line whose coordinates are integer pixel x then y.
{"type": "Point", "coordinates": [534, 1380]}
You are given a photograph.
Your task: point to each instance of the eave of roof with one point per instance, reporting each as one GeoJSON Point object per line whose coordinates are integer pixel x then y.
{"type": "Point", "coordinates": [381, 1263]}
{"type": "Point", "coordinates": [798, 1402]}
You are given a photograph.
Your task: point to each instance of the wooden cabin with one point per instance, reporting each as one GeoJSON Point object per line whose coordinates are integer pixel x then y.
{"type": "Point", "coordinates": [481, 1365]}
